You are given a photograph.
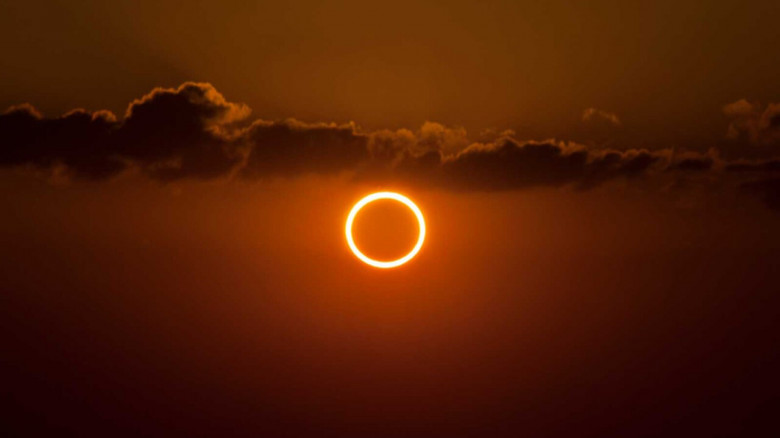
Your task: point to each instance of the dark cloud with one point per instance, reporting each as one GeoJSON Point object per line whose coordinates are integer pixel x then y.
{"type": "Point", "coordinates": [509, 165]}
{"type": "Point", "coordinates": [169, 133]}
{"type": "Point", "coordinates": [694, 164]}
{"type": "Point", "coordinates": [77, 140]}
{"type": "Point", "coordinates": [691, 162]}
{"type": "Point", "coordinates": [181, 133]}
{"type": "Point", "coordinates": [187, 132]}
{"type": "Point", "coordinates": [771, 165]}
{"type": "Point", "coordinates": [292, 147]}
{"type": "Point", "coordinates": [193, 132]}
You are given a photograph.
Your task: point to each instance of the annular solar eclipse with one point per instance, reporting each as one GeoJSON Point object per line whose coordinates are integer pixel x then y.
{"type": "Point", "coordinates": [385, 264]}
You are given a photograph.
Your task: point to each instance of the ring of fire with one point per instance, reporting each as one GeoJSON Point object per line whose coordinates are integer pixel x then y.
{"type": "Point", "coordinates": [375, 197]}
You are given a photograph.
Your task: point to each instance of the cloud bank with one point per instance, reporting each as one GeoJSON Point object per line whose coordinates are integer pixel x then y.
{"type": "Point", "coordinates": [193, 132]}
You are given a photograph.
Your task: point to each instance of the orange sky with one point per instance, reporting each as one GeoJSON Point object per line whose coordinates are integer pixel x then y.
{"type": "Point", "coordinates": [241, 302]}
{"type": "Point", "coordinates": [665, 67]}
{"type": "Point", "coordinates": [599, 182]}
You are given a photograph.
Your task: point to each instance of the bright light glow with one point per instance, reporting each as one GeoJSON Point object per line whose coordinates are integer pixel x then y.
{"type": "Point", "coordinates": [375, 197]}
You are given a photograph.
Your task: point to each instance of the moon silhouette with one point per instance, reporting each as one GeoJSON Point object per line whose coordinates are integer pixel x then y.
{"type": "Point", "coordinates": [375, 197]}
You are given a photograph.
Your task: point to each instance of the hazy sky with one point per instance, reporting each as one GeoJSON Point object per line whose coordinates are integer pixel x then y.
{"type": "Point", "coordinates": [666, 67]}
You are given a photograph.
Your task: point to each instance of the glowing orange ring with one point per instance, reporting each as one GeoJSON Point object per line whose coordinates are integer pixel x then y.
{"type": "Point", "coordinates": [375, 197]}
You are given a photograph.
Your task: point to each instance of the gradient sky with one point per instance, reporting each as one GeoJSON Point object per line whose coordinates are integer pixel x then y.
{"type": "Point", "coordinates": [600, 181]}
{"type": "Point", "coordinates": [666, 68]}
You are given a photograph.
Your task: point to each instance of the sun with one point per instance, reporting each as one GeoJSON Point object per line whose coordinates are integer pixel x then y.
{"type": "Point", "coordinates": [375, 197]}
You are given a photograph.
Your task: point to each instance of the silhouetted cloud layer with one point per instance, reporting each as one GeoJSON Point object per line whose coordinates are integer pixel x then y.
{"type": "Point", "coordinates": [78, 140]}
{"type": "Point", "coordinates": [169, 133]}
{"type": "Point", "coordinates": [507, 164]}
{"type": "Point", "coordinates": [291, 147]}
{"type": "Point", "coordinates": [193, 132]}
